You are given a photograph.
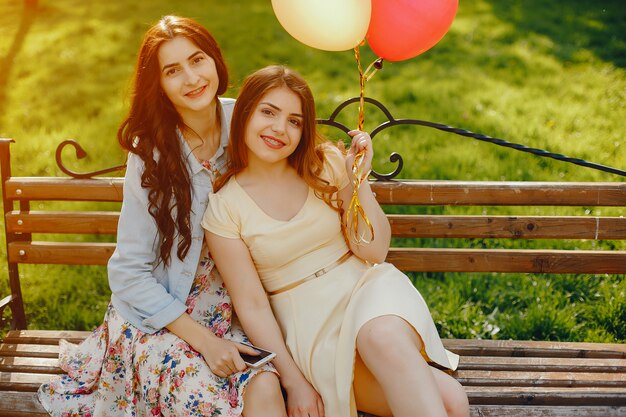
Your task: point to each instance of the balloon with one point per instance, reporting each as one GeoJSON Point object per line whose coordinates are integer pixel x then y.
{"type": "Point", "coordinates": [331, 25]}
{"type": "Point", "coordinates": [402, 29]}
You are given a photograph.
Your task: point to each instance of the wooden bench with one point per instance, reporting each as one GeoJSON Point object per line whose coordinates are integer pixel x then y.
{"type": "Point", "coordinates": [502, 377]}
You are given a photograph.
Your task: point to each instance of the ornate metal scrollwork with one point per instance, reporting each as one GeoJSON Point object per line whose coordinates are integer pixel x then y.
{"type": "Point", "coordinates": [394, 157]}
{"type": "Point", "coordinates": [80, 154]}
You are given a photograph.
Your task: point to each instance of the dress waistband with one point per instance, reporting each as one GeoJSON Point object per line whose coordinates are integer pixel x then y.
{"type": "Point", "coordinates": [314, 275]}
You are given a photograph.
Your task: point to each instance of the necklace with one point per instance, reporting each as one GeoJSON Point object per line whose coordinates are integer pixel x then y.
{"type": "Point", "coordinates": [205, 147]}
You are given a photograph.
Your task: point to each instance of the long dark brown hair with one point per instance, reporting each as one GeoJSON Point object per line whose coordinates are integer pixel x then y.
{"type": "Point", "coordinates": [308, 157]}
{"type": "Point", "coordinates": [151, 126]}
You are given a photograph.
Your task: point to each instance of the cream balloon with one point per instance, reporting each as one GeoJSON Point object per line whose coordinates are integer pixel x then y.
{"type": "Point", "coordinates": [331, 25]}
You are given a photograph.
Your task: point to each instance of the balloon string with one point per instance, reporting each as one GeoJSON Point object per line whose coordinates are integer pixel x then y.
{"type": "Point", "coordinates": [355, 210]}
{"type": "Point", "coordinates": [357, 56]}
{"type": "Point", "coordinates": [363, 78]}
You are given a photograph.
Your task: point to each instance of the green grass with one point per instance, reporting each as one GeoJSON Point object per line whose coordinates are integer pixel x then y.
{"type": "Point", "coordinates": [548, 75]}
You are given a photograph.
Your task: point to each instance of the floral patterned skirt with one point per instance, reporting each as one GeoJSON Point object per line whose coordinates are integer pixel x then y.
{"type": "Point", "coordinates": [121, 371]}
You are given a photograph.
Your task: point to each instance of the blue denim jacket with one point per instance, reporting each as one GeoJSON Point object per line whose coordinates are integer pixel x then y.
{"type": "Point", "coordinates": [145, 293]}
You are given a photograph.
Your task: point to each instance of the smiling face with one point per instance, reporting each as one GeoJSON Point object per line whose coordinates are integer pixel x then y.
{"type": "Point", "coordinates": [188, 76]}
{"type": "Point", "coordinates": [274, 128]}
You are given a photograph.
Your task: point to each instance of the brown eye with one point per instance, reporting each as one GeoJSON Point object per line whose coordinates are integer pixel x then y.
{"type": "Point", "coordinates": [171, 71]}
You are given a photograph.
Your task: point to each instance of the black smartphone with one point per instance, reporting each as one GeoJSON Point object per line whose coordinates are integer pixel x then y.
{"type": "Point", "coordinates": [261, 359]}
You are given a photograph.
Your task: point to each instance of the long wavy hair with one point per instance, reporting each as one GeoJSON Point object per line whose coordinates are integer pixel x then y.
{"type": "Point", "coordinates": [308, 157]}
{"type": "Point", "coordinates": [150, 130]}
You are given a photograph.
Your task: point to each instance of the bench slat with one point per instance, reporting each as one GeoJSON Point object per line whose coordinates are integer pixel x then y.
{"type": "Point", "coordinates": [21, 404]}
{"type": "Point", "coordinates": [514, 395]}
{"type": "Point", "coordinates": [30, 361]}
{"type": "Point", "coordinates": [25, 350]}
{"type": "Point", "coordinates": [29, 365]}
{"type": "Point", "coordinates": [25, 382]}
{"type": "Point", "coordinates": [88, 222]}
{"type": "Point", "coordinates": [64, 189]}
{"type": "Point", "coordinates": [508, 227]}
{"type": "Point", "coordinates": [44, 337]}
{"type": "Point", "coordinates": [495, 363]}
{"type": "Point", "coordinates": [390, 192]}
{"type": "Point", "coordinates": [547, 395]}
{"type": "Point", "coordinates": [507, 260]}
{"type": "Point", "coordinates": [467, 363]}
{"type": "Point", "coordinates": [533, 348]}
{"type": "Point", "coordinates": [540, 411]}
{"type": "Point", "coordinates": [494, 193]}
{"type": "Point", "coordinates": [60, 253]}
{"type": "Point", "coordinates": [404, 226]}
{"type": "Point", "coordinates": [540, 378]}
{"type": "Point", "coordinates": [406, 259]}
{"type": "Point", "coordinates": [578, 376]}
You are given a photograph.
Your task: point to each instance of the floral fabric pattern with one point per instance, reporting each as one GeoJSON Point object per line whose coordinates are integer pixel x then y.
{"type": "Point", "coordinates": [121, 371]}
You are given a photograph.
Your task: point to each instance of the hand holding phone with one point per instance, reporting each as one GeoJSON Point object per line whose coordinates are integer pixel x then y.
{"type": "Point", "coordinates": [256, 361]}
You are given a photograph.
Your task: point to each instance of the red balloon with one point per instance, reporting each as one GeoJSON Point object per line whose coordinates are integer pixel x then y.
{"type": "Point", "coordinates": [403, 29]}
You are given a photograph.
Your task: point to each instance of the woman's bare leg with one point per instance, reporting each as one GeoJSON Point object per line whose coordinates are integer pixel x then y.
{"type": "Point", "coordinates": [368, 393]}
{"type": "Point", "coordinates": [390, 349]}
{"type": "Point", "coordinates": [263, 398]}
{"type": "Point", "coordinates": [453, 394]}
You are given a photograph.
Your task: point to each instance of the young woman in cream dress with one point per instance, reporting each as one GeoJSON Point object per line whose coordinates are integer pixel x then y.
{"type": "Point", "coordinates": [350, 324]}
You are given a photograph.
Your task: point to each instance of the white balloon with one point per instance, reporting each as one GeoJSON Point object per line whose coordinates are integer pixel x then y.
{"type": "Point", "coordinates": [331, 25]}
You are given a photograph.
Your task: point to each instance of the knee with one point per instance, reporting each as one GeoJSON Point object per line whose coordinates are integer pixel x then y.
{"type": "Point", "coordinates": [265, 387]}
{"type": "Point", "coordinates": [387, 337]}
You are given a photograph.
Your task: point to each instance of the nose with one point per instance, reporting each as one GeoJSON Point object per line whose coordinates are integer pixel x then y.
{"type": "Point", "coordinates": [279, 125]}
{"type": "Point", "coordinates": [191, 78]}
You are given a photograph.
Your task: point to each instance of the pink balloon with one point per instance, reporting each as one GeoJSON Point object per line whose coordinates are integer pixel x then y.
{"type": "Point", "coordinates": [403, 29]}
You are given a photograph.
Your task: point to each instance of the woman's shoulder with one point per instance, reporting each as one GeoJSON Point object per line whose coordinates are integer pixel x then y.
{"type": "Point", "coordinates": [227, 191]}
{"type": "Point", "coordinates": [223, 211]}
{"type": "Point", "coordinates": [334, 158]}
{"type": "Point", "coordinates": [332, 152]}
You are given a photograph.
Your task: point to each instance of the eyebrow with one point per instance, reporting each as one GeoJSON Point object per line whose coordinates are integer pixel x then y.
{"type": "Point", "coordinates": [279, 109]}
{"type": "Point", "coordinates": [176, 63]}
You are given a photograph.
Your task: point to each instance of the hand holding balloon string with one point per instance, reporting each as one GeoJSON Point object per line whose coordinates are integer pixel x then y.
{"type": "Point", "coordinates": [355, 211]}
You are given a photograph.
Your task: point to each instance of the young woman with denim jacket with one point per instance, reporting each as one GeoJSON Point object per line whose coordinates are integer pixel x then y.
{"type": "Point", "coordinates": [168, 344]}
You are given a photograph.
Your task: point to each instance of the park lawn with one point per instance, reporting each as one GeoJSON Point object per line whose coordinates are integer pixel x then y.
{"type": "Point", "coordinates": [545, 74]}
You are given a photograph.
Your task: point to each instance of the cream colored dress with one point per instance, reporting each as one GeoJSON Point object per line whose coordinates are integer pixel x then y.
{"type": "Point", "coordinates": [320, 319]}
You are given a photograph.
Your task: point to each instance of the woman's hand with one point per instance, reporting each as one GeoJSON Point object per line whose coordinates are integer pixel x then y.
{"type": "Point", "coordinates": [360, 141]}
{"type": "Point", "coordinates": [223, 356]}
{"type": "Point", "coordinates": [304, 401]}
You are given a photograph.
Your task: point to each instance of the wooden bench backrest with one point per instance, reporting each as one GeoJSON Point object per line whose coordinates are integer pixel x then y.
{"type": "Point", "coordinates": [22, 222]}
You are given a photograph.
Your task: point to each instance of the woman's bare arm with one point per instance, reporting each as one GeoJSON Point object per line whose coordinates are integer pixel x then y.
{"type": "Point", "coordinates": [235, 264]}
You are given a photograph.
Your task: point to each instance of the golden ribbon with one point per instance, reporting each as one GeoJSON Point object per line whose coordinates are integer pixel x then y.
{"type": "Point", "coordinates": [355, 211]}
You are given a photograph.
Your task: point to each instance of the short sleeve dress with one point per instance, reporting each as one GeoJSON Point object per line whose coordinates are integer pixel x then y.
{"type": "Point", "coordinates": [320, 314]}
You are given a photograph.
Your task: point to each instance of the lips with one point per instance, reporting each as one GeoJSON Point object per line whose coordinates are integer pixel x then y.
{"type": "Point", "coordinates": [197, 92]}
{"type": "Point", "coordinates": [272, 142]}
